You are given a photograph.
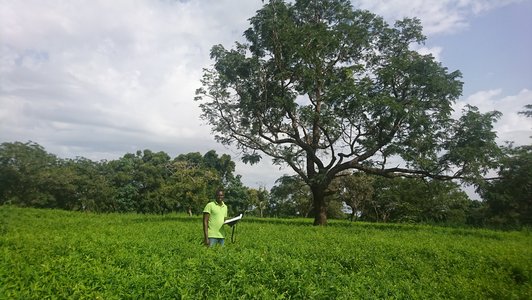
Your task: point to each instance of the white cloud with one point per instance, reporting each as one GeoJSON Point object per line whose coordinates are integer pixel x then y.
{"type": "Point", "coordinates": [110, 67]}
{"type": "Point", "coordinates": [511, 126]}
{"type": "Point", "coordinates": [437, 17]}
{"type": "Point", "coordinates": [434, 51]}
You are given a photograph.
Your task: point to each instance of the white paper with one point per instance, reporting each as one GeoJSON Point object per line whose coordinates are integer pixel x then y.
{"type": "Point", "coordinates": [233, 219]}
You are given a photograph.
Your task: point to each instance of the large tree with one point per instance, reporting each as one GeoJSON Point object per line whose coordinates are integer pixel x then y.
{"type": "Point", "coordinates": [323, 88]}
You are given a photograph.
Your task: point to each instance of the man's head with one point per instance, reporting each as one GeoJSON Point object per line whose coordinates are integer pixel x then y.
{"type": "Point", "coordinates": [219, 196]}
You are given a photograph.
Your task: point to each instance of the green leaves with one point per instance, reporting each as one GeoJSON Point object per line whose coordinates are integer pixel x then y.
{"type": "Point", "coordinates": [509, 197]}
{"type": "Point", "coordinates": [57, 254]}
{"type": "Point", "coordinates": [147, 182]}
{"type": "Point", "coordinates": [473, 147]}
{"type": "Point", "coordinates": [252, 158]}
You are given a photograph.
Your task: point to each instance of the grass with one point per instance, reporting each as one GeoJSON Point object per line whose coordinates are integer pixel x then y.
{"type": "Point", "coordinates": [49, 254]}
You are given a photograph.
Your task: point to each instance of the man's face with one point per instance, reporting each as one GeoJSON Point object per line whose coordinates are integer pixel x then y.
{"type": "Point", "coordinates": [220, 197]}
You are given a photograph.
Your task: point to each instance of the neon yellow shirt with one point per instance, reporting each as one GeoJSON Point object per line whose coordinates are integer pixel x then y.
{"type": "Point", "coordinates": [217, 214]}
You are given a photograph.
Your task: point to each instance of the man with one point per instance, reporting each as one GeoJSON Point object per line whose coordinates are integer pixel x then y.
{"type": "Point", "coordinates": [214, 215]}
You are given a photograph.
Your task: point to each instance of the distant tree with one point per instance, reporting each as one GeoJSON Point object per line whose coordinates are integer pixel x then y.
{"type": "Point", "coordinates": [217, 171]}
{"type": "Point", "coordinates": [476, 213]}
{"type": "Point", "coordinates": [29, 176]}
{"type": "Point", "coordinates": [59, 183]}
{"type": "Point", "coordinates": [509, 198]}
{"type": "Point", "coordinates": [152, 174]}
{"type": "Point", "coordinates": [122, 176]}
{"type": "Point", "coordinates": [222, 164]}
{"type": "Point", "coordinates": [191, 186]}
{"type": "Point", "coordinates": [26, 172]}
{"type": "Point", "coordinates": [415, 200]}
{"type": "Point", "coordinates": [355, 190]}
{"type": "Point", "coordinates": [138, 179]}
{"type": "Point", "coordinates": [192, 158]}
{"type": "Point", "coordinates": [324, 88]}
{"type": "Point", "coordinates": [94, 190]}
{"type": "Point", "coordinates": [259, 200]}
{"type": "Point", "coordinates": [236, 196]}
{"type": "Point", "coordinates": [335, 208]}
{"type": "Point", "coordinates": [290, 196]}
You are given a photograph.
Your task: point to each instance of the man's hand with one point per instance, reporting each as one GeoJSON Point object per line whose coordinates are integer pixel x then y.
{"type": "Point", "coordinates": [206, 229]}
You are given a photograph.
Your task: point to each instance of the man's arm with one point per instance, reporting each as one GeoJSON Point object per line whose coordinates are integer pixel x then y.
{"type": "Point", "coordinates": [206, 228]}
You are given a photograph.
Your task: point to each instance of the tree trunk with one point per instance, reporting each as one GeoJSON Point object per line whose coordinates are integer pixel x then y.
{"type": "Point", "coordinates": [320, 207]}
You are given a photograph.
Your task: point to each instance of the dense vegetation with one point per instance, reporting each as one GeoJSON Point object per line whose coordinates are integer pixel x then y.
{"type": "Point", "coordinates": [144, 182]}
{"type": "Point", "coordinates": [61, 254]}
{"type": "Point", "coordinates": [152, 182]}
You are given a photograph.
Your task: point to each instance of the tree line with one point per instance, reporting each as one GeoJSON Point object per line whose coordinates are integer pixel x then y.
{"type": "Point", "coordinates": [152, 182]}
{"type": "Point", "coordinates": [142, 182]}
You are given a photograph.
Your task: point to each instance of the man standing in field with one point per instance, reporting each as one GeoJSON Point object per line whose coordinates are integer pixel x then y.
{"type": "Point", "coordinates": [214, 215]}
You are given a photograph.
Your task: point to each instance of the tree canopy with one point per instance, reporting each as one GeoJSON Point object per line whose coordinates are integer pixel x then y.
{"type": "Point", "coordinates": [323, 88]}
{"type": "Point", "coordinates": [142, 182]}
{"type": "Point", "coordinates": [508, 198]}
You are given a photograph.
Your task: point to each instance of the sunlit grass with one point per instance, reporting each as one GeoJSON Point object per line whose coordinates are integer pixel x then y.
{"type": "Point", "coordinates": [50, 253]}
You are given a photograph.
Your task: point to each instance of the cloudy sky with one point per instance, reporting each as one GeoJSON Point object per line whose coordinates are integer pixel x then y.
{"type": "Point", "coordinates": [103, 78]}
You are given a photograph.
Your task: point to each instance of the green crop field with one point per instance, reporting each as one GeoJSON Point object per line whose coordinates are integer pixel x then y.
{"type": "Point", "coordinates": [51, 254]}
